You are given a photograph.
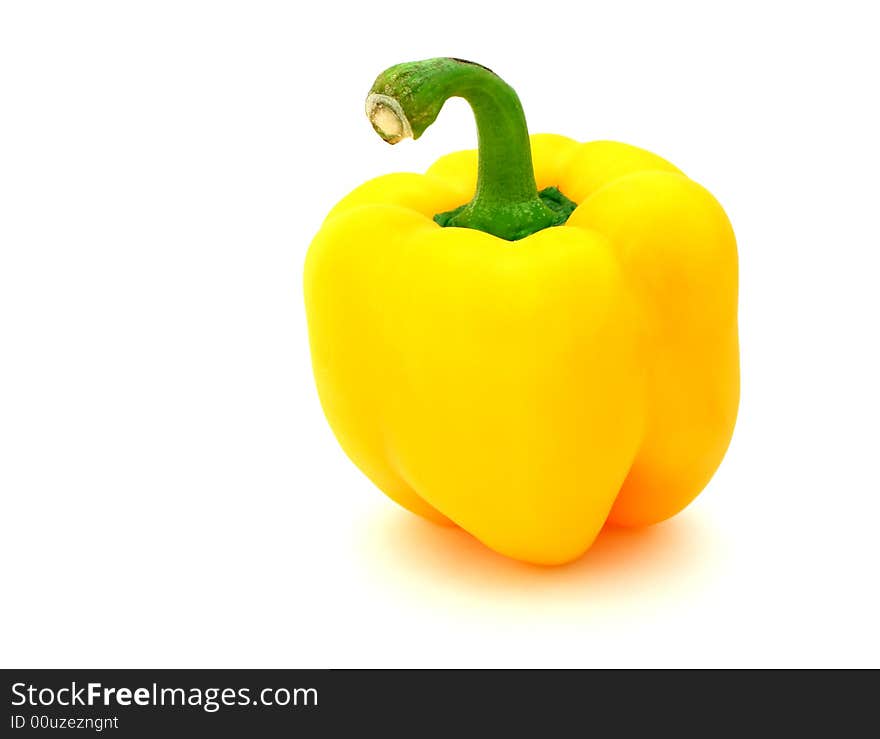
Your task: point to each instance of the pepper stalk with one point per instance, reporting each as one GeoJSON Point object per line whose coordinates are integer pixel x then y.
{"type": "Point", "coordinates": [407, 98]}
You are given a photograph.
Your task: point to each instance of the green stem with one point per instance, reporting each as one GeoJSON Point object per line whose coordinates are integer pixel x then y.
{"type": "Point", "coordinates": [406, 99]}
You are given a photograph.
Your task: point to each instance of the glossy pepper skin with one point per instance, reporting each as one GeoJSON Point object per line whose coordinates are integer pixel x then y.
{"type": "Point", "coordinates": [530, 391]}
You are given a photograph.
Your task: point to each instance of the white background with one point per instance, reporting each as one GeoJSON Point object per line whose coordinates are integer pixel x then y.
{"type": "Point", "coordinates": [171, 493]}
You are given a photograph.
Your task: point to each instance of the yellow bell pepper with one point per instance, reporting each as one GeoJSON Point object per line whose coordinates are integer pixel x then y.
{"type": "Point", "coordinates": [525, 365]}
